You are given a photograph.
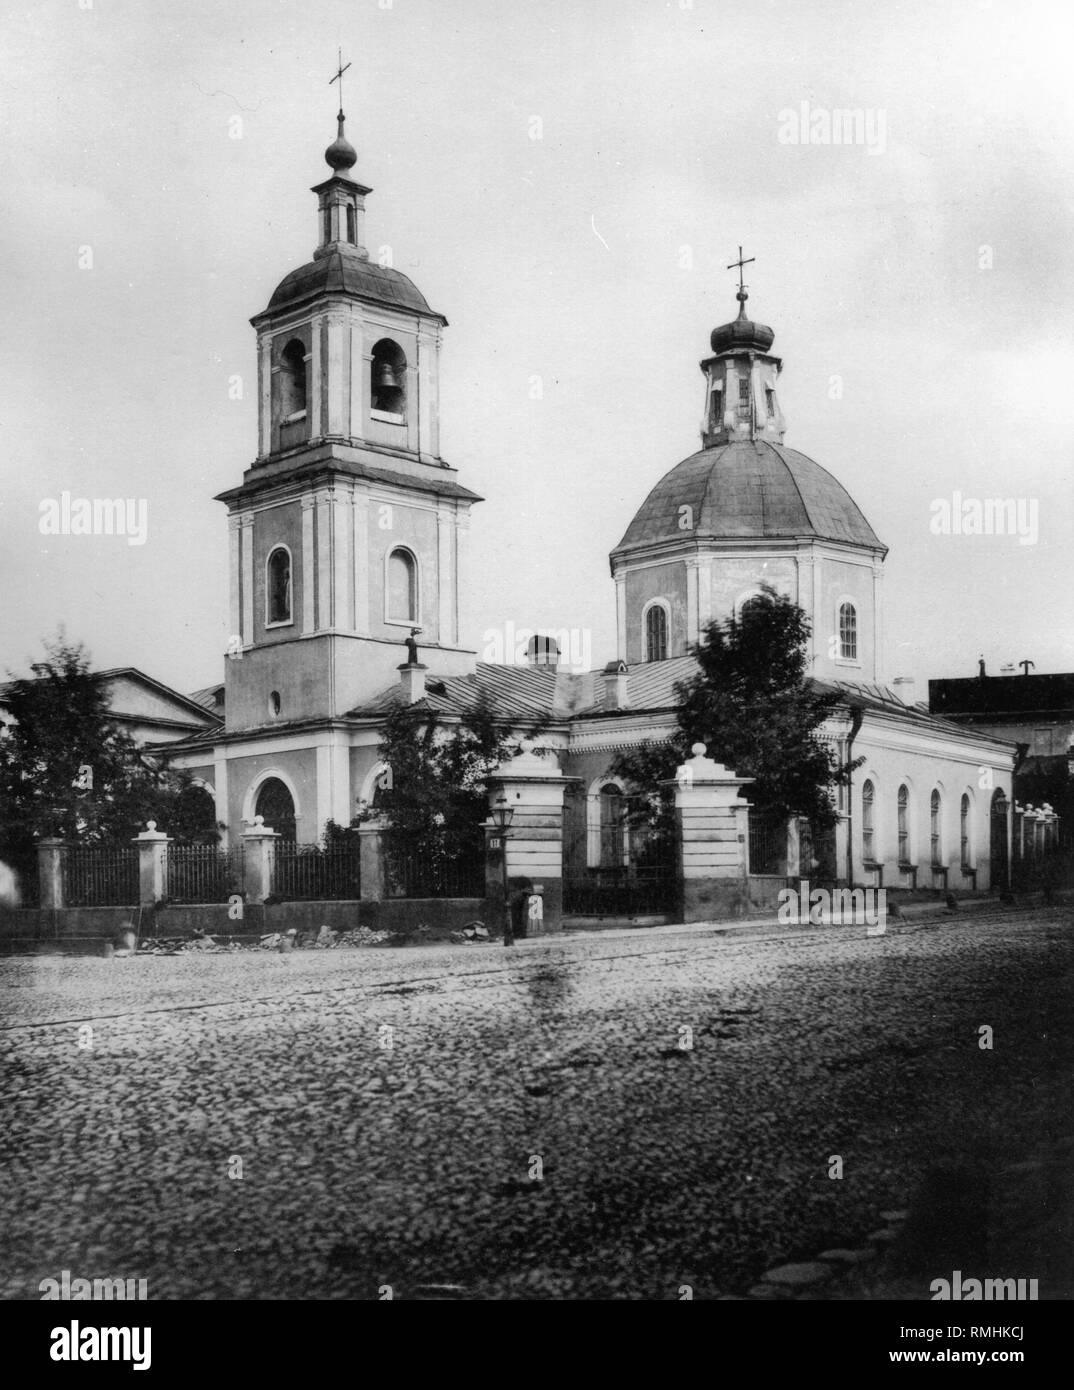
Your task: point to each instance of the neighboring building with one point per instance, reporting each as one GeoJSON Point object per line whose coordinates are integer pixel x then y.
{"type": "Point", "coordinates": [144, 708]}
{"type": "Point", "coordinates": [1034, 712]}
{"type": "Point", "coordinates": [348, 537]}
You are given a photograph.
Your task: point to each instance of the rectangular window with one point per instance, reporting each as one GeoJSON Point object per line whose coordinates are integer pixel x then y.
{"type": "Point", "coordinates": [352, 234]}
{"type": "Point", "coordinates": [743, 390]}
{"type": "Point", "coordinates": [770, 402]}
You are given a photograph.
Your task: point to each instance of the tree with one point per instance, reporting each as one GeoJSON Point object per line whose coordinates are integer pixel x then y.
{"type": "Point", "coordinates": [67, 770]}
{"type": "Point", "coordinates": [436, 799]}
{"type": "Point", "coordinates": [753, 706]}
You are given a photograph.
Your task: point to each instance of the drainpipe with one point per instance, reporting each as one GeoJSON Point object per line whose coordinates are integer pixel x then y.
{"type": "Point", "coordinates": [857, 714]}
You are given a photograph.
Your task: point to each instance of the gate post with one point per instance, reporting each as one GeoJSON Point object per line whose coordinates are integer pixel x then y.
{"type": "Point", "coordinates": [50, 872]}
{"type": "Point", "coordinates": [534, 788]}
{"type": "Point", "coordinates": [374, 887]}
{"type": "Point", "coordinates": [258, 859]}
{"type": "Point", "coordinates": [713, 838]}
{"type": "Point", "coordinates": [152, 864]}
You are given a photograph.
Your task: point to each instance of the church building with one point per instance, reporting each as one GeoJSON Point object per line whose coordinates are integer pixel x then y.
{"type": "Point", "coordinates": [348, 560]}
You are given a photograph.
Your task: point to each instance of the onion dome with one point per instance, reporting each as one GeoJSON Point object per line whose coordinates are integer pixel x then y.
{"type": "Point", "coordinates": [743, 335]}
{"type": "Point", "coordinates": [341, 156]}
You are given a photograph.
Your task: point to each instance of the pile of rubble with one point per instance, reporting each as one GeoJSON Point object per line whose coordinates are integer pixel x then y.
{"type": "Point", "coordinates": [362, 936]}
{"type": "Point", "coordinates": [323, 938]}
{"type": "Point", "coordinates": [182, 945]}
{"type": "Point", "coordinates": [476, 933]}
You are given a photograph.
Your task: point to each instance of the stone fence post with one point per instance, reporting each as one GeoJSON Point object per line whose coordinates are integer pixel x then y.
{"type": "Point", "coordinates": [372, 860]}
{"type": "Point", "coordinates": [713, 838]}
{"type": "Point", "coordinates": [534, 788]}
{"type": "Point", "coordinates": [50, 872]}
{"type": "Point", "coordinates": [258, 859]}
{"type": "Point", "coordinates": [152, 864]}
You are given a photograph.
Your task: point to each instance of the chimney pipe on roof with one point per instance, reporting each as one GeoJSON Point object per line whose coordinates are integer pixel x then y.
{"type": "Point", "coordinates": [615, 686]}
{"type": "Point", "coordinates": [412, 681]}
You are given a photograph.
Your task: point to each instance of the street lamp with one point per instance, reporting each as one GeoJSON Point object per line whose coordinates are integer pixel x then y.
{"type": "Point", "coordinates": [502, 815]}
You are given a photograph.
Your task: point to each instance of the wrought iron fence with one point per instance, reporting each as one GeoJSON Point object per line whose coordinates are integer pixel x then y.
{"type": "Point", "coordinates": [202, 873]}
{"type": "Point", "coordinates": [436, 876]}
{"type": "Point", "coordinates": [317, 872]}
{"type": "Point", "coordinates": [99, 875]}
{"type": "Point", "coordinates": [768, 845]}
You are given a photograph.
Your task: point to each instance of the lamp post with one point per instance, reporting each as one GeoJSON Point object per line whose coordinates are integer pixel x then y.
{"type": "Point", "coordinates": [502, 815]}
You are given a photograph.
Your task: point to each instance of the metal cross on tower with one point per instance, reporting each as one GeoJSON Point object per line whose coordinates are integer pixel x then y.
{"type": "Point", "coordinates": [739, 264]}
{"type": "Point", "coordinates": [342, 68]}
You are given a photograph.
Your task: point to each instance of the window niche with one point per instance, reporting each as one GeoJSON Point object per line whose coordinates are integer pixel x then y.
{"type": "Point", "coordinates": [656, 633]}
{"type": "Point", "coordinates": [388, 382]}
{"type": "Point", "coordinates": [278, 587]}
{"type": "Point", "coordinates": [402, 602]}
{"type": "Point", "coordinates": [293, 381]}
{"type": "Point", "coordinates": [848, 632]}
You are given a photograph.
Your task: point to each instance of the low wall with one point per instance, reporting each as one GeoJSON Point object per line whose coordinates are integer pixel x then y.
{"type": "Point", "coordinates": [714, 899]}
{"type": "Point", "coordinates": [189, 919]}
{"type": "Point", "coordinates": [764, 890]}
{"type": "Point", "coordinates": [65, 924]}
{"type": "Point", "coordinates": [440, 916]}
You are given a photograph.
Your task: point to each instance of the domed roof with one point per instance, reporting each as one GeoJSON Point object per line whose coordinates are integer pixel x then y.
{"type": "Point", "coordinates": [747, 489]}
{"type": "Point", "coordinates": [348, 273]}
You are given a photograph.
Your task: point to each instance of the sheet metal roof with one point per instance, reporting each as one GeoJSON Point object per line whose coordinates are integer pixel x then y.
{"type": "Point", "coordinates": [746, 489]}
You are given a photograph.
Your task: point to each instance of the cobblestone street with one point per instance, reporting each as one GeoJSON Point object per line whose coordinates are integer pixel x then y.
{"type": "Point", "coordinates": [595, 1116]}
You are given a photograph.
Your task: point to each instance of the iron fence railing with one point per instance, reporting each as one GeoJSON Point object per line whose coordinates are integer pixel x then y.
{"type": "Point", "coordinates": [768, 845]}
{"type": "Point", "coordinates": [99, 875]}
{"type": "Point", "coordinates": [436, 876]}
{"type": "Point", "coordinates": [202, 873]}
{"type": "Point", "coordinates": [316, 872]}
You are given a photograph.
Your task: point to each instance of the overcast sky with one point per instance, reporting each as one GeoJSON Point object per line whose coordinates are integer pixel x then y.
{"type": "Point", "coordinates": [592, 258]}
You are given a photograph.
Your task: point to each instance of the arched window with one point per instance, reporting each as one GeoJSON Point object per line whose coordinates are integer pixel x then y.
{"type": "Point", "coordinates": [276, 805]}
{"type": "Point", "coordinates": [293, 380]}
{"type": "Point", "coordinates": [278, 586]}
{"type": "Point", "coordinates": [935, 842]}
{"type": "Point", "coordinates": [848, 632]}
{"type": "Point", "coordinates": [964, 836]}
{"type": "Point", "coordinates": [402, 588]}
{"type": "Point", "coordinates": [904, 824]}
{"type": "Point", "coordinates": [868, 825]}
{"type": "Point", "coordinates": [750, 605]}
{"type": "Point", "coordinates": [656, 633]}
{"type": "Point", "coordinates": [542, 650]}
{"type": "Point", "coordinates": [388, 379]}
{"type": "Point", "coordinates": [612, 827]}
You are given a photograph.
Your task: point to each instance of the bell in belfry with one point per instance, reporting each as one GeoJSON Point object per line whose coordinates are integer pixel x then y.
{"type": "Point", "coordinates": [386, 377]}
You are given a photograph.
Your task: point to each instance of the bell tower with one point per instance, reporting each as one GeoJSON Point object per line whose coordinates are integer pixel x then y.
{"type": "Point", "coordinates": [349, 529]}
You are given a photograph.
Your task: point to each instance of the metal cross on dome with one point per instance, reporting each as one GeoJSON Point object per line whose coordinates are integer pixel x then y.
{"type": "Point", "coordinates": [739, 264]}
{"type": "Point", "coordinates": [342, 68]}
